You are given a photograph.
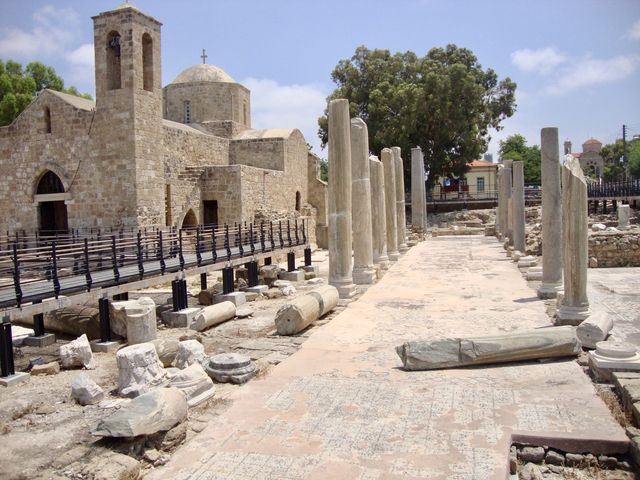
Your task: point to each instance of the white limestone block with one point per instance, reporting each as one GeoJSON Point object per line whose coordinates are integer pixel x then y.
{"type": "Point", "coordinates": [77, 353]}
{"type": "Point", "coordinates": [139, 370]}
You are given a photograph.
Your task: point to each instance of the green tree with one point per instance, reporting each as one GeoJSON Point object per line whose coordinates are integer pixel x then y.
{"type": "Point", "coordinates": [633, 158]}
{"type": "Point", "coordinates": [515, 148]}
{"type": "Point", "coordinates": [444, 102]}
{"type": "Point", "coordinates": [612, 154]}
{"type": "Point", "coordinates": [19, 87]}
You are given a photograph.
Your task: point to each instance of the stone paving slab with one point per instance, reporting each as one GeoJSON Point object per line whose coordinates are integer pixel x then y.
{"type": "Point", "coordinates": [342, 408]}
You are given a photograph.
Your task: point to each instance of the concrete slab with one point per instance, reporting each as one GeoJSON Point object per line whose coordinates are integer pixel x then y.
{"type": "Point", "coordinates": [40, 341]}
{"type": "Point", "coordinates": [180, 319]}
{"type": "Point", "coordinates": [237, 298]}
{"type": "Point", "coordinates": [295, 276]}
{"type": "Point", "coordinates": [104, 347]}
{"type": "Point", "coordinates": [14, 379]}
{"type": "Point", "coordinates": [342, 408]}
{"type": "Point", "coordinates": [257, 289]}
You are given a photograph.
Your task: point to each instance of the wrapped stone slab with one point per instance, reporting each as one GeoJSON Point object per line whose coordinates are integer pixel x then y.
{"type": "Point", "coordinates": [594, 329]}
{"type": "Point", "coordinates": [460, 352]}
{"type": "Point", "coordinates": [213, 315]}
{"type": "Point", "coordinates": [155, 411]}
{"type": "Point", "coordinates": [297, 315]}
{"type": "Point", "coordinates": [327, 297]}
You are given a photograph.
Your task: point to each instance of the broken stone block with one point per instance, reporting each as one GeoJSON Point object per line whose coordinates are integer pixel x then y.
{"type": "Point", "coordinates": [85, 391]}
{"type": "Point", "coordinates": [180, 319]}
{"type": "Point", "coordinates": [189, 352]}
{"type": "Point", "coordinates": [554, 458]}
{"type": "Point", "coordinates": [111, 466]}
{"type": "Point", "coordinates": [50, 368]}
{"type": "Point", "coordinates": [610, 356]}
{"type": "Point", "coordinates": [194, 383]}
{"type": "Point", "coordinates": [77, 353]}
{"type": "Point", "coordinates": [141, 321]}
{"type": "Point", "coordinates": [297, 315]}
{"type": "Point", "coordinates": [205, 297]}
{"type": "Point", "coordinates": [295, 276]}
{"type": "Point", "coordinates": [598, 227]}
{"type": "Point", "coordinates": [139, 370]}
{"type": "Point", "coordinates": [315, 281]}
{"type": "Point", "coordinates": [273, 293]}
{"type": "Point", "coordinates": [213, 315]}
{"type": "Point", "coordinates": [155, 411]}
{"type": "Point", "coordinates": [531, 454]}
{"type": "Point", "coordinates": [327, 297]}
{"type": "Point", "coordinates": [237, 298]}
{"type": "Point", "coordinates": [594, 329]}
{"type": "Point", "coordinates": [118, 312]}
{"type": "Point", "coordinates": [458, 352]}
{"type": "Point", "coordinates": [231, 368]}
{"type": "Point", "coordinates": [166, 348]}
{"type": "Point", "coordinates": [244, 312]}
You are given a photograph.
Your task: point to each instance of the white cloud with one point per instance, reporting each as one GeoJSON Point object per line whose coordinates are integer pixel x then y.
{"type": "Point", "coordinates": [588, 71]}
{"type": "Point", "coordinates": [81, 62]}
{"type": "Point", "coordinates": [634, 31]}
{"type": "Point", "coordinates": [542, 60]}
{"type": "Point", "coordinates": [287, 106]}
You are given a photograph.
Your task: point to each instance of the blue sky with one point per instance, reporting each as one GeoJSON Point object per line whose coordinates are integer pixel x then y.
{"type": "Point", "coordinates": [576, 62]}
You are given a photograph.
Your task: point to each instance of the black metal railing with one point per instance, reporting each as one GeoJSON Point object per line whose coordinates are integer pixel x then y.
{"type": "Point", "coordinates": [34, 266]}
{"type": "Point", "coordinates": [623, 189]}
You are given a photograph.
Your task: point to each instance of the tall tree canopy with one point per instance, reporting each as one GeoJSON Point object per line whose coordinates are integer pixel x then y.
{"type": "Point", "coordinates": [19, 87]}
{"type": "Point", "coordinates": [444, 102]}
{"type": "Point", "coordinates": [515, 147]}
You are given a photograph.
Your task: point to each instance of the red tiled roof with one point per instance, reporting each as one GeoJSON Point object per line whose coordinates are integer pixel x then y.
{"type": "Point", "coordinates": [481, 163]}
{"type": "Point", "coordinates": [592, 141]}
{"type": "Point", "coordinates": [575, 154]}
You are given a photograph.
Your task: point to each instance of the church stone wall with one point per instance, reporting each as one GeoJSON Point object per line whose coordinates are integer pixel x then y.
{"type": "Point", "coordinates": [258, 152]}
{"type": "Point", "coordinates": [222, 184]}
{"type": "Point", "coordinates": [318, 189]}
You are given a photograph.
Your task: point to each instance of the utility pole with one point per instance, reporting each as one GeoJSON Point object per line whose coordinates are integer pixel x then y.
{"type": "Point", "coordinates": [624, 151]}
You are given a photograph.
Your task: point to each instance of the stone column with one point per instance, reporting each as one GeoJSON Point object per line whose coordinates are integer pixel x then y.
{"type": "Point", "coordinates": [418, 194]}
{"type": "Point", "coordinates": [390, 204]}
{"type": "Point", "coordinates": [402, 220]}
{"type": "Point", "coordinates": [378, 216]}
{"type": "Point", "coordinates": [363, 271]}
{"type": "Point", "coordinates": [340, 275]}
{"type": "Point", "coordinates": [498, 221]}
{"type": "Point", "coordinates": [574, 307]}
{"type": "Point", "coordinates": [518, 207]}
{"type": "Point", "coordinates": [623, 216]}
{"type": "Point", "coordinates": [508, 207]}
{"type": "Point", "coordinates": [551, 215]}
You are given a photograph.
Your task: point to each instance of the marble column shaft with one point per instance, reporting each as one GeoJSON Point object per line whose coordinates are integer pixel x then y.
{"type": "Point", "coordinates": [378, 214]}
{"type": "Point", "coordinates": [498, 221]}
{"type": "Point", "coordinates": [574, 307]}
{"type": "Point", "coordinates": [418, 193]}
{"type": "Point", "coordinates": [623, 216]}
{"type": "Point", "coordinates": [340, 272]}
{"type": "Point", "coordinates": [363, 270]}
{"type": "Point", "coordinates": [508, 206]}
{"type": "Point", "coordinates": [390, 204]}
{"type": "Point", "coordinates": [551, 214]}
{"type": "Point", "coordinates": [400, 204]}
{"type": "Point", "coordinates": [518, 207]}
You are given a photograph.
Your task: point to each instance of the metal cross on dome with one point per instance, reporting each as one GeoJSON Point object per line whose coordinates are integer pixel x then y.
{"type": "Point", "coordinates": [204, 56]}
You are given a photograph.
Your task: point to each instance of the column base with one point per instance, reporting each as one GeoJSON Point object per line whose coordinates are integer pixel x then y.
{"type": "Point", "coordinates": [382, 262]}
{"type": "Point", "coordinates": [364, 276]}
{"type": "Point", "coordinates": [14, 379]}
{"type": "Point", "coordinates": [572, 315]}
{"type": "Point", "coordinates": [403, 248]}
{"type": "Point", "coordinates": [549, 290]}
{"type": "Point", "coordinates": [346, 290]}
{"type": "Point", "coordinates": [393, 256]}
{"type": "Point", "coordinates": [40, 341]}
{"type": "Point", "coordinates": [104, 347]}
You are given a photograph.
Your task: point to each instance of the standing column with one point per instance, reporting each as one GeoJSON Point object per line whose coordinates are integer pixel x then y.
{"type": "Point", "coordinates": [508, 206]}
{"type": "Point", "coordinates": [401, 215]}
{"type": "Point", "coordinates": [418, 194]}
{"type": "Point", "coordinates": [390, 204]}
{"type": "Point", "coordinates": [574, 307]}
{"type": "Point", "coordinates": [518, 207]}
{"type": "Point", "coordinates": [340, 275]}
{"type": "Point", "coordinates": [551, 215]}
{"type": "Point", "coordinates": [363, 271]}
{"type": "Point", "coordinates": [378, 216]}
{"type": "Point", "coordinates": [498, 222]}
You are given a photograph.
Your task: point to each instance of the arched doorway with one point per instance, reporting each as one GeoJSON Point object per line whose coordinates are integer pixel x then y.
{"type": "Point", "coordinates": [52, 211]}
{"type": "Point", "coordinates": [190, 220]}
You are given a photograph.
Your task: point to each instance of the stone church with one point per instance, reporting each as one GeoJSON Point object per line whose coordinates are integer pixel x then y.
{"type": "Point", "coordinates": [142, 155]}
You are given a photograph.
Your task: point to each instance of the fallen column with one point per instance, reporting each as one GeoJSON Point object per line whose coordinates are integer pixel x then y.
{"type": "Point", "coordinates": [574, 306]}
{"type": "Point", "coordinates": [363, 270]}
{"type": "Point", "coordinates": [401, 214]}
{"type": "Point", "coordinates": [327, 298]}
{"type": "Point", "coordinates": [551, 215]}
{"type": "Point", "coordinates": [418, 194]}
{"type": "Point", "coordinates": [390, 204]}
{"type": "Point", "coordinates": [518, 207]}
{"type": "Point", "coordinates": [460, 352]}
{"type": "Point", "coordinates": [594, 329]}
{"type": "Point", "coordinates": [297, 315]}
{"type": "Point", "coordinates": [213, 315]}
{"type": "Point", "coordinates": [378, 216]}
{"type": "Point", "coordinates": [340, 269]}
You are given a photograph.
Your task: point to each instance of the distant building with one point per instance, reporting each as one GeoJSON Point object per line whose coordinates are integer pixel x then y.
{"type": "Point", "coordinates": [479, 182]}
{"type": "Point", "coordinates": [590, 158]}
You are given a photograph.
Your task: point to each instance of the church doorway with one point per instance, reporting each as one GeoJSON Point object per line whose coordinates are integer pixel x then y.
{"type": "Point", "coordinates": [210, 212]}
{"type": "Point", "coordinates": [190, 220]}
{"type": "Point", "coordinates": [52, 210]}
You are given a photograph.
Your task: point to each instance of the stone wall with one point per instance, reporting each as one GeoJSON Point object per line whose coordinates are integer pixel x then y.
{"type": "Point", "coordinates": [614, 249]}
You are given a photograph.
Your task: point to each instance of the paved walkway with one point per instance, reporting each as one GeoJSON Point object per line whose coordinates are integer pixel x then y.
{"type": "Point", "coordinates": [342, 408]}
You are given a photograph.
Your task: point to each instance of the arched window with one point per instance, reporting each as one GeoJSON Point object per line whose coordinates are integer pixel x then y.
{"type": "Point", "coordinates": [297, 201]}
{"type": "Point", "coordinates": [47, 120]}
{"type": "Point", "coordinates": [190, 219]}
{"type": "Point", "coordinates": [187, 111]}
{"type": "Point", "coordinates": [113, 61]}
{"type": "Point", "coordinates": [147, 62]}
{"type": "Point", "coordinates": [49, 183]}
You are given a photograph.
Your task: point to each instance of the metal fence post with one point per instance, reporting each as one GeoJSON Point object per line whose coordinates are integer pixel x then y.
{"type": "Point", "coordinates": [105, 323]}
